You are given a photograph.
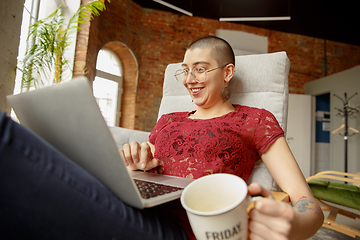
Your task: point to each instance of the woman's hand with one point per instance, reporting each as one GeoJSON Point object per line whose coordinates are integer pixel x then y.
{"type": "Point", "coordinates": [138, 156]}
{"type": "Point", "coordinates": [269, 219]}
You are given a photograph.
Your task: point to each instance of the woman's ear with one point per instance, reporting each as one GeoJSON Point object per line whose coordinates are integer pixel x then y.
{"type": "Point", "coordinates": [229, 72]}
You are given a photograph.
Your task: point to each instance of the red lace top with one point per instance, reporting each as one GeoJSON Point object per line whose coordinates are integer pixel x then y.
{"type": "Point", "coordinates": [194, 148]}
{"type": "Point", "coordinates": [231, 143]}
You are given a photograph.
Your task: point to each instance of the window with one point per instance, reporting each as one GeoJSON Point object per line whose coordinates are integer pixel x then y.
{"type": "Point", "coordinates": [29, 7]}
{"type": "Point", "coordinates": [33, 11]}
{"type": "Point", "coordinates": [108, 86]}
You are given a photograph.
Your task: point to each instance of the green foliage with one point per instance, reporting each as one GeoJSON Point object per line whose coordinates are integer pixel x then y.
{"type": "Point", "coordinates": [51, 38]}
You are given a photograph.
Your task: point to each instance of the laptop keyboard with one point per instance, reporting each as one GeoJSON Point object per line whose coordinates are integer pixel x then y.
{"type": "Point", "coordinates": [151, 189]}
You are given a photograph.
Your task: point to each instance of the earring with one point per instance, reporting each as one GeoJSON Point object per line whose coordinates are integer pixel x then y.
{"type": "Point", "coordinates": [225, 94]}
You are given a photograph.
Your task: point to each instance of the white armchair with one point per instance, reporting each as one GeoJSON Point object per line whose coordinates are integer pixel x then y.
{"type": "Point", "coordinates": [259, 81]}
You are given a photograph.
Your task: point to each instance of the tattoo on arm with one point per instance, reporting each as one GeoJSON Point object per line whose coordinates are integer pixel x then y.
{"type": "Point", "coordinates": [304, 204]}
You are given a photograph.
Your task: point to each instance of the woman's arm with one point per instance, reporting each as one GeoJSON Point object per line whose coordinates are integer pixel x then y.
{"type": "Point", "coordinates": [139, 157]}
{"type": "Point", "coordinates": [300, 221]}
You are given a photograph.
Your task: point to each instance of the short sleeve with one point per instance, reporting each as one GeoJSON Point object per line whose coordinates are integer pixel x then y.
{"type": "Point", "coordinates": [162, 123]}
{"type": "Point", "coordinates": [159, 125]}
{"type": "Point", "coordinates": [267, 131]}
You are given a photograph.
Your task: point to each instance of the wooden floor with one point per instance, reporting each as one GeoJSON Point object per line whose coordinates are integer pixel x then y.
{"type": "Point", "coordinates": [328, 234]}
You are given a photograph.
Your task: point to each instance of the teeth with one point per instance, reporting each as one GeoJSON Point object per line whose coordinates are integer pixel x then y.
{"type": "Point", "coordinates": [195, 90]}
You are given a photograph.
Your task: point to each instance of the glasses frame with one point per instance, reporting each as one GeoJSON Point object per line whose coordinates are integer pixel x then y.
{"type": "Point", "coordinates": [182, 71]}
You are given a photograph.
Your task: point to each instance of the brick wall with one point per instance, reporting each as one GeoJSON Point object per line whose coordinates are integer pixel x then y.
{"type": "Point", "coordinates": [157, 38]}
{"type": "Point", "coordinates": [10, 19]}
{"type": "Point", "coordinates": [118, 29]}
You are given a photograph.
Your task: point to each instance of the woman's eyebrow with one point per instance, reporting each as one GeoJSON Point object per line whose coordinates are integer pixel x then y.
{"type": "Point", "coordinates": [196, 63]}
{"type": "Point", "coordinates": [201, 62]}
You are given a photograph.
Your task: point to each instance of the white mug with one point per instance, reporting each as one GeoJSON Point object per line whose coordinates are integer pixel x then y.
{"type": "Point", "coordinates": [216, 207]}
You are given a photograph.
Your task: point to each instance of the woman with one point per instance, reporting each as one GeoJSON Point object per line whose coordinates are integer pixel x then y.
{"type": "Point", "coordinates": [180, 142]}
{"type": "Point", "coordinates": [44, 195]}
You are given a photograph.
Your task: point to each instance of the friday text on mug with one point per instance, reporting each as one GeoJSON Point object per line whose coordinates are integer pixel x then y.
{"type": "Point", "coordinates": [226, 234]}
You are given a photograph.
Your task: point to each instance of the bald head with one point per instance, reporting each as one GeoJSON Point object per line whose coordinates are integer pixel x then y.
{"type": "Point", "coordinates": [221, 50]}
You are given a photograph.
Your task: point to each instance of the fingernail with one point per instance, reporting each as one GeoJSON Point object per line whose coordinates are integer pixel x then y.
{"type": "Point", "coordinates": [143, 166]}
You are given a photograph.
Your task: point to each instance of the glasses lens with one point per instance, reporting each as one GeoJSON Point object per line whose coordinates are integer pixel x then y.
{"type": "Point", "coordinates": [180, 75]}
{"type": "Point", "coordinates": [199, 74]}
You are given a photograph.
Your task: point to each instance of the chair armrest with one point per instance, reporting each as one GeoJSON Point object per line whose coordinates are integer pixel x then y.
{"type": "Point", "coordinates": [334, 175]}
{"type": "Point", "coordinates": [124, 135]}
{"type": "Point", "coordinates": [280, 196]}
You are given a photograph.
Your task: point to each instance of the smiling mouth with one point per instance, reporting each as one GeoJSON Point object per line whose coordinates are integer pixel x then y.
{"type": "Point", "coordinates": [195, 90]}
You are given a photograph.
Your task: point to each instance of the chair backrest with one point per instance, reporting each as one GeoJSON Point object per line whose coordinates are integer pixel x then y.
{"type": "Point", "coordinates": [260, 81]}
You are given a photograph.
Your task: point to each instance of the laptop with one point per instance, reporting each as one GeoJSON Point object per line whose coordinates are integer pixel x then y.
{"type": "Point", "coordinates": [67, 116]}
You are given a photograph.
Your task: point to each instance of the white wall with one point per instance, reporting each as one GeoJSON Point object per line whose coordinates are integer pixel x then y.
{"type": "Point", "coordinates": [298, 133]}
{"type": "Point", "coordinates": [10, 19]}
{"type": "Point", "coordinates": [244, 43]}
{"type": "Point", "coordinates": [347, 81]}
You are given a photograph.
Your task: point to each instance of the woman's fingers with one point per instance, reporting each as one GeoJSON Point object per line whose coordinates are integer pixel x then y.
{"type": "Point", "coordinates": [130, 155]}
{"type": "Point", "coordinates": [256, 189]}
{"type": "Point", "coordinates": [147, 161]}
{"type": "Point", "coordinates": [122, 154]}
{"type": "Point", "coordinates": [273, 214]}
{"type": "Point", "coordinates": [274, 208]}
{"type": "Point", "coordinates": [269, 219]}
{"type": "Point", "coordinates": [127, 154]}
{"type": "Point", "coordinates": [258, 230]}
{"type": "Point", "coordinates": [135, 149]}
{"type": "Point", "coordinates": [145, 155]}
{"type": "Point", "coordinates": [138, 156]}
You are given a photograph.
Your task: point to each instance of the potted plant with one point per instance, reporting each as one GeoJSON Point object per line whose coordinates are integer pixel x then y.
{"type": "Point", "coordinates": [51, 39]}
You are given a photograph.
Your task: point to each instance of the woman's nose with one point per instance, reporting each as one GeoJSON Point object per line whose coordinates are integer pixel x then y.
{"type": "Point", "coordinates": [190, 78]}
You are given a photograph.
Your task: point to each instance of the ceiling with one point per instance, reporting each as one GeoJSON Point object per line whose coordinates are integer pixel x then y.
{"type": "Point", "coordinates": [325, 19]}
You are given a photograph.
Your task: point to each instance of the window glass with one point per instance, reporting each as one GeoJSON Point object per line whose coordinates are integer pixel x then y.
{"type": "Point", "coordinates": [106, 94]}
{"type": "Point", "coordinates": [108, 86]}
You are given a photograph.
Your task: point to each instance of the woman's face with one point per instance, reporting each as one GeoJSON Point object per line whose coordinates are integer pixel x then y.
{"type": "Point", "coordinates": [207, 93]}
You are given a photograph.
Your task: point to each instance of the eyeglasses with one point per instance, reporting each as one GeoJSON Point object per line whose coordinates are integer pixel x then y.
{"type": "Point", "coordinates": [198, 73]}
